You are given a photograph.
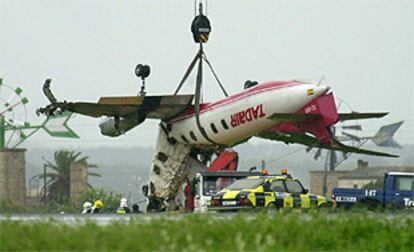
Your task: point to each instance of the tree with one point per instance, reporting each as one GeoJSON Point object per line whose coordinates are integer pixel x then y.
{"type": "Point", "coordinates": [110, 199]}
{"type": "Point", "coordinates": [58, 174]}
{"type": "Point", "coordinates": [378, 184]}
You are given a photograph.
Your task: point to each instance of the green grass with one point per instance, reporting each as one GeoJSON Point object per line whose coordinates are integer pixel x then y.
{"type": "Point", "coordinates": [243, 232]}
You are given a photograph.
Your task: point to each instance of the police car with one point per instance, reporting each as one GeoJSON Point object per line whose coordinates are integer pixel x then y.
{"type": "Point", "coordinates": [268, 191]}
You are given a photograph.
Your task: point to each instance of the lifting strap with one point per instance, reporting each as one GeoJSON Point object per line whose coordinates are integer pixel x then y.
{"type": "Point", "coordinates": [215, 75]}
{"type": "Point", "coordinates": [187, 73]}
{"type": "Point", "coordinates": [200, 56]}
{"type": "Point", "coordinates": [199, 83]}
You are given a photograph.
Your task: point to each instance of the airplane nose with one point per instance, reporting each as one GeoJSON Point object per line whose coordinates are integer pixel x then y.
{"type": "Point", "coordinates": [321, 90]}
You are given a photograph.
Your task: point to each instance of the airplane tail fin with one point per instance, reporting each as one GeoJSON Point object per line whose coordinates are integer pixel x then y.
{"type": "Point", "coordinates": [384, 136]}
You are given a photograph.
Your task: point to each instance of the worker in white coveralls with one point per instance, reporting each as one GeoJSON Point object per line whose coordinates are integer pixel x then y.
{"type": "Point", "coordinates": [123, 207]}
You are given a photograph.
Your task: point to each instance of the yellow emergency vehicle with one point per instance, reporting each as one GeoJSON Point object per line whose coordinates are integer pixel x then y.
{"type": "Point", "coordinates": [269, 191]}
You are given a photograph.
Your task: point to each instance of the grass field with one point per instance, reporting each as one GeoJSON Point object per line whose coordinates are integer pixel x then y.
{"type": "Point", "coordinates": [242, 232]}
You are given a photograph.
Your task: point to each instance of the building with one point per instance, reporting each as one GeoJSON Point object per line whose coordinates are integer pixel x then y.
{"type": "Point", "coordinates": [13, 176]}
{"type": "Point", "coordinates": [78, 180]}
{"type": "Point", "coordinates": [357, 178]}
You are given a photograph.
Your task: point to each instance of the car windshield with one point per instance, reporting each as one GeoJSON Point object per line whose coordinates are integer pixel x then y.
{"type": "Point", "coordinates": [245, 184]}
{"type": "Point", "coordinates": [294, 186]}
{"type": "Point", "coordinates": [212, 185]}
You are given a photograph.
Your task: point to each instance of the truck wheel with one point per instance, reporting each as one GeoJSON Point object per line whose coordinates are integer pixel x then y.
{"type": "Point", "coordinates": [324, 205]}
{"type": "Point", "coordinates": [272, 207]}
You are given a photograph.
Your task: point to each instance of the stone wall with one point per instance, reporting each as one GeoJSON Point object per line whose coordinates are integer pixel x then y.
{"type": "Point", "coordinates": [13, 176]}
{"type": "Point", "coordinates": [355, 183]}
{"type": "Point", "coordinates": [78, 180]}
{"type": "Point", "coordinates": [359, 177]}
{"type": "Point", "coordinates": [317, 181]}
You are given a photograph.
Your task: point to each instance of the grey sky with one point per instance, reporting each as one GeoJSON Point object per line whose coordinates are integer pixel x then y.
{"type": "Point", "coordinates": [90, 48]}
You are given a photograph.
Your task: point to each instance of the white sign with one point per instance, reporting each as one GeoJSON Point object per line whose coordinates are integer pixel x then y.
{"type": "Point", "coordinates": [229, 203]}
{"type": "Point", "coordinates": [371, 193]}
{"type": "Point", "coordinates": [345, 199]}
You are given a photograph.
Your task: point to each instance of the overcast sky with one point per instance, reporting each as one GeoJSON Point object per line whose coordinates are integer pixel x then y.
{"type": "Point", "coordinates": [90, 48]}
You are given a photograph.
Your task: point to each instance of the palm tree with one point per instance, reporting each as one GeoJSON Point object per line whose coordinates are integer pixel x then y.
{"type": "Point", "coordinates": [58, 181]}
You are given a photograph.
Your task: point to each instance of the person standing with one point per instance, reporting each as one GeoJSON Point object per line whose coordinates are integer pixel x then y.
{"type": "Point", "coordinates": [87, 207]}
{"type": "Point", "coordinates": [189, 196]}
{"type": "Point", "coordinates": [123, 207]}
{"type": "Point", "coordinates": [97, 206]}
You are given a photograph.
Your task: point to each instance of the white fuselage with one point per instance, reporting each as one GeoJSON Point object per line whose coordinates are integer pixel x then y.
{"type": "Point", "coordinates": [240, 116]}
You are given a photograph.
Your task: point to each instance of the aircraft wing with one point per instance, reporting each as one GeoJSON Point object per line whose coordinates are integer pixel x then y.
{"type": "Point", "coordinates": [294, 117]}
{"type": "Point", "coordinates": [357, 116]}
{"type": "Point", "coordinates": [156, 107]}
{"type": "Point", "coordinates": [291, 117]}
{"type": "Point", "coordinates": [313, 142]}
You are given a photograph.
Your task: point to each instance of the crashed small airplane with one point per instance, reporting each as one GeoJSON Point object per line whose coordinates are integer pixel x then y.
{"type": "Point", "coordinates": [288, 111]}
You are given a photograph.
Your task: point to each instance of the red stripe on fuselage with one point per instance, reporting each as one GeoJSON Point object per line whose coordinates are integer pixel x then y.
{"type": "Point", "coordinates": [230, 99]}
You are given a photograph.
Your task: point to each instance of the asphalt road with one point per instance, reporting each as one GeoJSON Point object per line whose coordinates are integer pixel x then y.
{"type": "Point", "coordinates": [105, 219]}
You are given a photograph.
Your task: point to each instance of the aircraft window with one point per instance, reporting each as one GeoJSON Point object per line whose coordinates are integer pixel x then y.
{"type": "Point", "coordinates": [156, 169]}
{"type": "Point", "coordinates": [213, 128]}
{"type": "Point", "coordinates": [203, 131]}
{"type": "Point", "coordinates": [184, 139]}
{"type": "Point", "coordinates": [249, 84]}
{"type": "Point", "coordinates": [192, 135]}
{"type": "Point", "coordinates": [162, 157]}
{"type": "Point", "coordinates": [225, 126]}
